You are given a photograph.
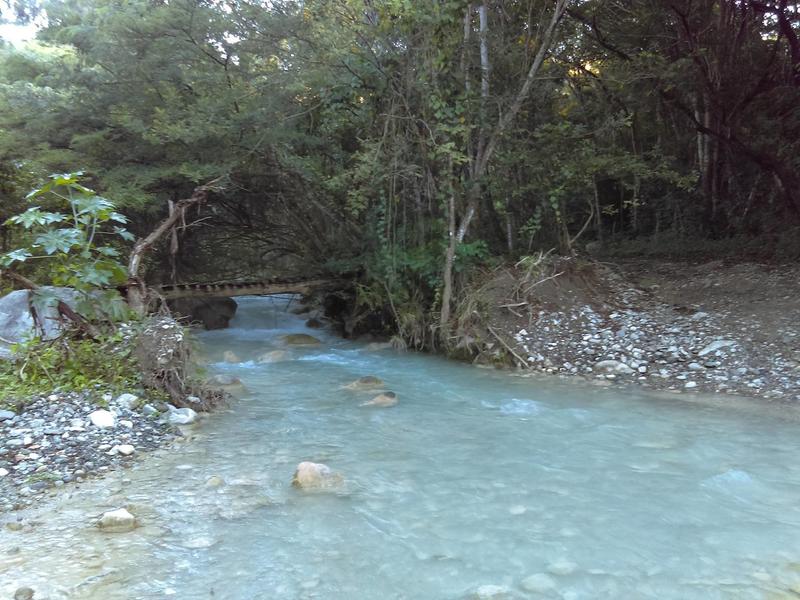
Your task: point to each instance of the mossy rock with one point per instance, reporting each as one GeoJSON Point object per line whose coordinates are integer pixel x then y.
{"type": "Point", "coordinates": [301, 339]}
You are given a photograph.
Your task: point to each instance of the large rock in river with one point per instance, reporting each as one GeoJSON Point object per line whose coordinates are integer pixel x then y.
{"type": "Point", "coordinates": [213, 313]}
{"type": "Point", "coordinates": [315, 476]}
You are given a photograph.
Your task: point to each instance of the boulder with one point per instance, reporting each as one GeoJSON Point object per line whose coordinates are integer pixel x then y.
{"type": "Point", "coordinates": [16, 321]}
{"type": "Point", "coordinates": [273, 356]}
{"type": "Point", "coordinates": [368, 382]}
{"type": "Point", "coordinates": [117, 521]}
{"type": "Point", "coordinates": [213, 313]}
{"type": "Point", "coordinates": [315, 476]}
{"type": "Point", "coordinates": [301, 339]}
{"type": "Point", "coordinates": [384, 400]}
{"type": "Point", "coordinates": [229, 356]}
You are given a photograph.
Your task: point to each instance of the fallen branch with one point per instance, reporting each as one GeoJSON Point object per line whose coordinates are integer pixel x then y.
{"type": "Point", "coordinates": [137, 290]}
{"type": "Point", "coordinates": [64, 309]}
{"type": "Point", "coordinates": [522, 361]}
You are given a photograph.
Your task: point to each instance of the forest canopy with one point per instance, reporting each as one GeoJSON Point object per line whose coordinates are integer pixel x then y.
{"type": "Point", "coordinates": [409, 141]}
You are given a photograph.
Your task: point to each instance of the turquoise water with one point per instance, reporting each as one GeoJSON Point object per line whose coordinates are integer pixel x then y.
{"type": "Point", "coordinates": [475, 483]}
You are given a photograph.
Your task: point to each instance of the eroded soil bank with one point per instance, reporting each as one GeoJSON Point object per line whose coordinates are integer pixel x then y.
{"type": "Point", "coordinates": [710, 327]}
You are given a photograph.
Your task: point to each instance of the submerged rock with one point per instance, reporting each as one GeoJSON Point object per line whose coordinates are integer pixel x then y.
{"type": "Point", "coordinates": [538, 583]}
{"type": "Point", "coordinates": [314, 323]}
{"type": "Point", "coordinates": [367, 382]}
{"type": "Point", "coordinates": [117, 521]}
{"type": "Point", "coordinates": [23, 593]}
{"type": "Point", "coordinates": [311, 476]}
{"type": "Point", "coordinates": [385, 399]}
{"type": "Point", "coordinates": [229, 356]}
{"type": "Point", "coordinates": [215, 481]}
{"type": "Point", "coordinates": [273, 356]}
{"type": "Point", "coordinates": [377, 346]}
{"type": "Point", "coordinates": [301, 339]}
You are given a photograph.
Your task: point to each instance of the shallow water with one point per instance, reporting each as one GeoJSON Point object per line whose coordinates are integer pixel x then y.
{"type": "Point", "coordinates": [475, 479]}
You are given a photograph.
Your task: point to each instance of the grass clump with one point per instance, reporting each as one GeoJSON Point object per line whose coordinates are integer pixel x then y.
{"type": "Point", "coordinates": [68, 364]}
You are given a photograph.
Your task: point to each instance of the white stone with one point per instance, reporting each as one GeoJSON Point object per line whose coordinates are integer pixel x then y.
{"type": "Point", "coordinates": [118, 521]}
{"type": "Point", "coordinates": [539, 583]}
{"type": "Point", "coordinates": [690, 384]}
{"type": "Point", "coordinates": [126, 400]}
{"type": "Point", "coordinates": [182, 416]}
{"type": "Point", "coordinates": [717, 345]}
{"type": "Point", "coordinates": [126, 423]}
{"type": "Point", "coordinates": [102, 418]}
{"type": "Point", "coordinates": [613, 366]}
{"type": "Point", "coordinates": [125, 449]}
{"type": "Point", "coordinates": [27, 440]}
{"type": "Point", "coordinates": [3, 472]}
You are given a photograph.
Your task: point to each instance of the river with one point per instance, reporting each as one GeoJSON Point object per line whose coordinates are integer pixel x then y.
{"type": "Point", "coordinates": [477, 484]}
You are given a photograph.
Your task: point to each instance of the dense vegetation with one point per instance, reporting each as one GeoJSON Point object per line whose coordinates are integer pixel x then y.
{"type": "Point", "coordinates": [408, 141]}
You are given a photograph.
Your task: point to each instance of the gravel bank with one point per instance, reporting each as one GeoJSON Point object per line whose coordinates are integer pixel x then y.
{"type": "Point", "coordinates": [700, 328]}
{"type": "Point", "coordinates": [66, 438]}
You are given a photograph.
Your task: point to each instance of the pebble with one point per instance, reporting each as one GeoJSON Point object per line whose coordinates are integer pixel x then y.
{"type": "Point", "coordinates": [117, 521]}
{"type": "Point", "coordinates": [6, 415]}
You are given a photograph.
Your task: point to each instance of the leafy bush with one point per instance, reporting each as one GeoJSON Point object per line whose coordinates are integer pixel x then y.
{"type": "Point", "coordinates": [75, 246]}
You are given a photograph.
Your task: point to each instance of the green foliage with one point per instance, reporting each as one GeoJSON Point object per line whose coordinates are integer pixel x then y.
{"type": "Point", "coordinates": [40, 367]}
{"type": "Point", "coordinates": [76, 244]}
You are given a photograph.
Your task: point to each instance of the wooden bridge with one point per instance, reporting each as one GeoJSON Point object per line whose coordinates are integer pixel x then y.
{"type": "Point", "coordinates": [248, 288]}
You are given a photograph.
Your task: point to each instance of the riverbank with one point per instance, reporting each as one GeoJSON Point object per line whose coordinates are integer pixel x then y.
{"type": "Point", "coordinates": [66, 438]}
{"type": "Point", "coordinates": [713, 327]}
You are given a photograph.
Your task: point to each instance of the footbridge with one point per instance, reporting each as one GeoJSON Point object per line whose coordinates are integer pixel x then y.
{"type": "Point", "coordinates": [249, 288]}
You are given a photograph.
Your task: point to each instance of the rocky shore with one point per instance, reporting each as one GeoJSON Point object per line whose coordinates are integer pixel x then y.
{"type": "Point", "coordinates": [712, 327]}
{"type": "Point", "coordinates": [64, 438]}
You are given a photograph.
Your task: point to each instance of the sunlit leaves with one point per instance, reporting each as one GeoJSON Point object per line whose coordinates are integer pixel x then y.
{"type": "Point", "coordinates": [69, 241]}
